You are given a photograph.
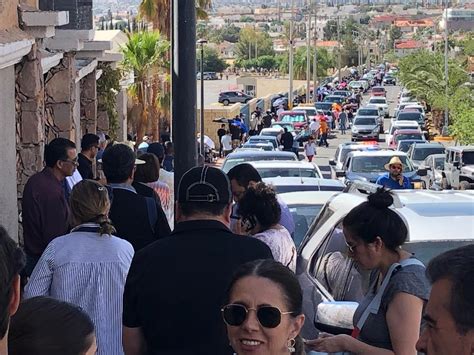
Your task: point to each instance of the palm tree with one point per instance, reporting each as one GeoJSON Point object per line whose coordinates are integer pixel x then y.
{"type": "Point", "coordinates": [145, 56]}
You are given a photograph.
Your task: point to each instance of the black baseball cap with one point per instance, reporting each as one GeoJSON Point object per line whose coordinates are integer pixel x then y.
{"type": "Point", "coordinates": [204, 184]}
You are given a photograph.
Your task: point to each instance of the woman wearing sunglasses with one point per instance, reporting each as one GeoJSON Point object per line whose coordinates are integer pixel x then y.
{"type": "Point", "coordinates": [261, 213]}
{"type": "Point", "coordinates": [263, 312]}
{"type": "Point", "coordinates": [388, 318]}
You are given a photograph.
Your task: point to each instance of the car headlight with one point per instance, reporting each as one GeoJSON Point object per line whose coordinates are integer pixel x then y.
{"type": "Point", "coordinates": [417, 185]}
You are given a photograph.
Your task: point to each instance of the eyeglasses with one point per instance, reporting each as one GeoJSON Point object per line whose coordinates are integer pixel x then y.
{"type": "Point", "coordinates": [72, 161]}
{"type": "Point", "coordinates": [398, 167]}
{"type": "Point", "coordinates": [236, 314]}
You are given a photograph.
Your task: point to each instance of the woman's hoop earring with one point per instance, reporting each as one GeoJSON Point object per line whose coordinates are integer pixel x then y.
{"type": "Point", "coordinates": [291, 345]}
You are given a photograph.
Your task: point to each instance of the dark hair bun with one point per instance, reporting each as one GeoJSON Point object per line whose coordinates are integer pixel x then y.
{"type": "Point", "coordinates": [381, 199]}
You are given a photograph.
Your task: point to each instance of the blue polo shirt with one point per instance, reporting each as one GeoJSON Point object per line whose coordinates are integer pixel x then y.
{"type": "Point", "coordinates": [388, 182]}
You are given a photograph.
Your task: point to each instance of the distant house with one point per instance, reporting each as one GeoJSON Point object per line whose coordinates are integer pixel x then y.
{"type": "Point", "coordinates": [406, 47]}
{"type": "Point", "coordinates": [226, 50]}
{"type": "Point", "coordinates": [409, 26]}
{"type": "Point", "coordinates": [382, 21]}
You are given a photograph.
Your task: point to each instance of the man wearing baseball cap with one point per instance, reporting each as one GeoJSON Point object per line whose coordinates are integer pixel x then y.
{"type": "Point", "coordinates": [394, 179]}
{"type": "Point", "coordinates": [137, 217]}
{"type": "Point", "coordinates": [176, 286]}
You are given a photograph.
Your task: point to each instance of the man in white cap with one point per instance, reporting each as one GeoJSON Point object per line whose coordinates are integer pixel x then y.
{"type": "Point", "coordinates": [394, 179]}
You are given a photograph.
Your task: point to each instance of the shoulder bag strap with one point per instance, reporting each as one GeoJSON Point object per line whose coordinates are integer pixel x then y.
{"type": "Point", "coordinates": [152, 212]}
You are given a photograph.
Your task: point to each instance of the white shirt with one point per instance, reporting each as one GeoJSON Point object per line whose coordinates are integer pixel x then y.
{"type": "Point", "coordinates": [227, 142]}
{"type": "Point", "coordinates": [281, 244]}
{"type": "Point", "coordinates": [314, 126]}
{"type": "Point", "coordinates": [310, 148]}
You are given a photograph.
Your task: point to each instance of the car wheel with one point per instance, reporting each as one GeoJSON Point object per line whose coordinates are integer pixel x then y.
{"type": "Point", "coordinates": [464, 185]}
{"type": "Point", "coordinates": [226, 102]}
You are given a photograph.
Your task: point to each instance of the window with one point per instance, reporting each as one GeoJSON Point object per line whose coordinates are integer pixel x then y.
{"type": "Point", "coordinates": [456, 157]}
{"type": "Point", "coordinates": [332, 267]}
{"type": "Point", "coordinates": [468, 158]}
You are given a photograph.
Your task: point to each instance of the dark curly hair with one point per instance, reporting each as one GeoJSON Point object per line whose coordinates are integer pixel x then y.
{"type": "Point", "coordinates": [374, 218]}
{"type": "Point", "coordinates": [260, 202]}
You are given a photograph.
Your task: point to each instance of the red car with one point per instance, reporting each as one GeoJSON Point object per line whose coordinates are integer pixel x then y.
{"type": "Point", "coordinates": [378, 91]}
{"type": "Point", "coordinates": [404, 134]}
{"type": "Point", "coordinates": [297, 118]}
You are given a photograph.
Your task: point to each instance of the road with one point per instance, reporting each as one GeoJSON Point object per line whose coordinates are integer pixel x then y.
{"type": "Point", "coordinates": [324, 154]}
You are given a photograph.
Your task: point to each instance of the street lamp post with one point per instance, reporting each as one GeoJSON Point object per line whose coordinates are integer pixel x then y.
{"type": "Point", "coordinates": [446, 77]}
{"type": "Point", "coordinates": [315, 62]}
{"type": "Point", "coordinates": [308, 54]}
{"type": "Point", "coordinates": [290, 93]}
{"type": "Point", "coordinates": [202, 42]}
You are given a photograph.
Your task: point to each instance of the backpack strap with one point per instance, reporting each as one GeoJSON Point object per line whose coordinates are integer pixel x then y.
{"type": "Point", "coordinates": [152, 212]}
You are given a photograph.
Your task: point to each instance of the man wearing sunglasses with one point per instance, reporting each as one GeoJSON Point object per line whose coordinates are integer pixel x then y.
{"type": "Point", "coordinates": [177, 285]}
{"type": "Point", "coordinates": [45, 209]}
{"type": "Point", "coordinates": [394, 179]}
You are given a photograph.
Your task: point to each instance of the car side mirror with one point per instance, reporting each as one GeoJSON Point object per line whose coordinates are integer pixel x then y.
{"type": "Point", "coordinates": [335, 317]}
{"type": "Point", "coordinates": [422, 172]}
{"type": "Point", "coordinates": [332, 162]}
{"type": "Point", "coordinates": [340, 173]}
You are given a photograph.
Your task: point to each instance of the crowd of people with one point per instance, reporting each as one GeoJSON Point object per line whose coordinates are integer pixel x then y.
{"type": "Point", "coordinates": [102, 271]}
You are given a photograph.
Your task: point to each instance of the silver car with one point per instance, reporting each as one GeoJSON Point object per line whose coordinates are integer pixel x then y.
{"type": "Point", "coordinates": [365, 127]}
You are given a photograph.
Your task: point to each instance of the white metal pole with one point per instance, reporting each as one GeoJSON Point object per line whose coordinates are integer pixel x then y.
{"type": "Point", "coordinates": [315, 62]}
{"type": "Point", "coordinates": [308, 52]}
{"type": "Point", "coordinates": [290, 93]}
{"type": "Point", "coordinates": [446, 76]}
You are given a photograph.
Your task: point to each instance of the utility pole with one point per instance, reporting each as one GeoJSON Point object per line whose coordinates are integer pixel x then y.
{"type": "Point", "coordinates": [315, 61]}
{"type": "Point", "coordinates": [184, 94]}
{"type": "Point", "coordinates": [308, 52]}
{"type": "Point", "coordinates": [339, 50]}
{"type": "Point", "coordinates": [290, 93]}
{"type": "Point", "coordinates": [446, 76]}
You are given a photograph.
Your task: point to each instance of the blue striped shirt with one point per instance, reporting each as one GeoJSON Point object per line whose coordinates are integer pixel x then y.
{"type": "Point", "coordinates": [87, 270]}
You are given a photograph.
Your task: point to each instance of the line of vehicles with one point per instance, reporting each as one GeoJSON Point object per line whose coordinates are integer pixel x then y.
{"type": "Point", "coordinates": [318, 205]}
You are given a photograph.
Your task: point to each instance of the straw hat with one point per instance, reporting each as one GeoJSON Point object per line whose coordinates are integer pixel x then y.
{"type": "Point", "coordinates": [394, 160]}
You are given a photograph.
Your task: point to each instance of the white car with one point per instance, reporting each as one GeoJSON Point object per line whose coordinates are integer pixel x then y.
{"type": "Point", "coordinates": [304, 207]}
{"type": "Point", "coordinates": [271, 169]}
{"type": "Point", "coordinates": [401, 106]}
{"type": "Point", "coordinates": [293, 184]}
{"type": "Point", "coordinates": [397, 125]}
{"type": "Point", "coordinates": [429, 217]}
{"type": "Point", "coordinates": [417, 107]}
{"type": "Point", "coordinates": [380, 102]}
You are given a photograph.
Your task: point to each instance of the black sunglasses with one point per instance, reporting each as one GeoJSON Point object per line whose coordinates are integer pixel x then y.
{"type": "Point", "coordinates": [236, 314]}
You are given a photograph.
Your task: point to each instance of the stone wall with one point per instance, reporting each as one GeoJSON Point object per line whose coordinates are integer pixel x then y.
{"type": "Point", "coordinates": [88, 102]}
{"type": "Point", "coordinates": [8, 14]}
{"type": "Point", "coordinates": [60, 99]}
{"type": "Point", "coordinates": [30, 133]}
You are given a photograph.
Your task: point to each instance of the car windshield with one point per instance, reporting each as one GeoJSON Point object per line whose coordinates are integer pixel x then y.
{"type": "Point", "coordinates": [289, 126]}
{"type": "Point", "coordinates": [378, 89]}
{"type": "Point", "coordinates": [346, 151]}
{"type": "Point", "coordinates": [365, 121]}
{"type": "Point", "coordinates": [257, 139]}
{"type": "Point", "coordinates": [323, 106]}
{"type": "Point", "coordinates": [287, 172]}
{"type": "Point", "coordinates": [377, 101]}
{"type": "Point", "coordinates": [425, 251]}
{"type": "Point", "coordinates": [410, 116]}
{"type": "Point", "coordinates": [404, 136]}
{"type": "Point", "coordinates": [405, 145]}
{"type": "Point", "coordinates": [394, 128]}
{"type": "Point", "coordinates": [468, 158]}
{"type": "Point", "coordinates": [422, 153]}
{"type": "Point", "coordinates": [414, 109]}
{"type": "Point", "coordinates": [368, 112]}
{"type": "Point", "coordinates": [333, 99]}
{"type": "Point", "coordinates": [376, 164]}
{"type": "Point", "coordinates": [293, 118]}
{"type": "Point", "coordinates": [231, 162]}
{"type": "Point", "coordinates": [303, 216]}
{"type": "Point", "coordinates": [262, 146]}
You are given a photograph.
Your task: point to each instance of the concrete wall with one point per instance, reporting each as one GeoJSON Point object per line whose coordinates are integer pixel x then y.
{"type": "Point", "coordinates": [8, 14]}
{"type": "Point", "coordinates": [211, 113]}
{"type": "Point", "coordinates": [8, 194]}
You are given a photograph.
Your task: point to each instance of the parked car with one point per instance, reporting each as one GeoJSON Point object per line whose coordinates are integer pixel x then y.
{"type": "Point", "coordinates": [370, 165]}
{"type": "Point", "coordinates": [378, 91]}
{"type": "Point", "coordinates": [434, 165]}
{"type": "Point", "coordinates": [412, 116]}
{"type": "Point", "coordinates": [343, 93]}
{"type": "Point", "coordinates": [358, 85]}
{"type": "Point", "coordinates": [365, 127]}
{"type": "Point", "coordinates": [403, 134]}
{"type": "Point", "coordinates": [335, 99]}
{"type": "Point", "coordinates": [389, 80]}
{"type": "Point", "coordinates": [293, 184]}
{"type": "Point", "coordinates": [401, 106]}
{"type": "Point", "coordinates": [207, 75]}
{"type": "Point", "coordinates": [264, 139]}
{"type": "Point", "coordinates": [282, 125]}
{"type": "Point", "coordinates": [326, 107]}
{"type": "Point", "coordinates": [305, 206]}
{"type": "Point", "coordinates": [458, 170]}
{"type": "Point", "coordinates": [309, 109]}
{"type": "Point", "coordinates": [254, 146]}
{"type": "Point", "coordinates": [344, 149]}
{"type": "Point", "coordinates": [405, 144]}
{"type": "Point", "coordinates": [232, 97]}
{"type": "Point", "coordinates": [246, 156]}
{"type": "Point", "coordinates": [380, 102]}
{"type": "Point", "coordinates": [272, 131]}
{"type": "Point", "coordinates": [297, 118]}
{"type": "Point", "coordinates": [428, 216]}
{"type": "Point", "coordinates": [419, 151]}
{"type": "Point", "coordinates": [397, 125]}
{"type": "Point", "coordinates": [281, 168]}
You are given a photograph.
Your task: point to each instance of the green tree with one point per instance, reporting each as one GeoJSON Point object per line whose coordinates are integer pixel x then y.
{"type": "Point", "coordinates": [145, 55]}
{"type": "Point", "coordinates": [267, 62]}
{"type": "Point", "coordinates": [251, 42]}
{"type": "Point", "coordinates": [325, 61]}
{"type": "Point", "coordinates": [212, 61]}
{"type": "Point", "coordinates": [394, 34]}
